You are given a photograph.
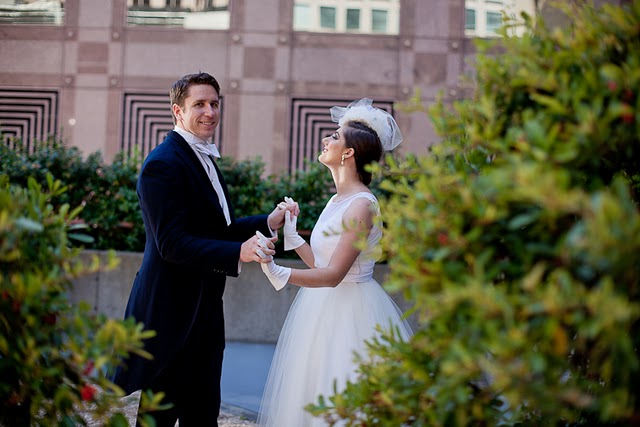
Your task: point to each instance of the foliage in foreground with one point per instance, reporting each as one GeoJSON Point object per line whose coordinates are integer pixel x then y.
{"type": "Point", "coordinates": [518, 238]}
{"type": "Point", "coordinates": [54, 356]}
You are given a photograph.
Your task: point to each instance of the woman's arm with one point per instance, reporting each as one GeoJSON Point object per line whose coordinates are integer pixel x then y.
{"type": "Point", "coordinates": [306, 254]}
{"type": "Point", "coordinates": [357, 222]}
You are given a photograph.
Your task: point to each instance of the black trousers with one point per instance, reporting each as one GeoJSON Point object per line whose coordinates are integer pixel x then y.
{"type": "Point", "coordinates": [191, 383]}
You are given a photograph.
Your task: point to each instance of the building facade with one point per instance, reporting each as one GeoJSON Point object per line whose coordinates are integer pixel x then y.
{"type": "Point", "coordinates": [98, 72]}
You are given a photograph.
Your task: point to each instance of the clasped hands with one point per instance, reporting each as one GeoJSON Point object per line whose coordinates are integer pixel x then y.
{"type": "Point", "coordinates": [252, 250]}
{"type": "Point", "coordinates": [278, 275]}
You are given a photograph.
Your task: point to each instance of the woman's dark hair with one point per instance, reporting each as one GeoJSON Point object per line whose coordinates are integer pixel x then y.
{"type": "Point", "coordinates": [366, 146]}
{"type": "Point", "coordinates": [180, 89]}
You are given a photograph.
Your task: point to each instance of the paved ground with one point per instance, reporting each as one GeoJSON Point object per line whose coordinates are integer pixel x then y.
{"type": "Point", "coordinates": [235, 417]}
{"type": "Point", "coordinates": [230, 416]}
{"type": "Point", "coordinates": [244, 373]}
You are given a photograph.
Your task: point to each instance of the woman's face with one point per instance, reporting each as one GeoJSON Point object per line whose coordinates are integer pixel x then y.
{"type": "Point", "coordinates": [332, 148]}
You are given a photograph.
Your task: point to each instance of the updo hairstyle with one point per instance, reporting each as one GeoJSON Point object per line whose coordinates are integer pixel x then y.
{"type": "Point", "coordinates": [366, 146]}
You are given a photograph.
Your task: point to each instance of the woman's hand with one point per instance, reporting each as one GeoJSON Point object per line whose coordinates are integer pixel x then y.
{"type": "Point", "coordinates": [277, 275]}
{"type": "Point", "coordinates": [277, 218]}
{"type": "Point", "coordinates": [292, 239]}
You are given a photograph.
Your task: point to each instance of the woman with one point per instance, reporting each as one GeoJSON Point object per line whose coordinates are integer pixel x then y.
{"type": "Point", "coordinates": [340, 304]}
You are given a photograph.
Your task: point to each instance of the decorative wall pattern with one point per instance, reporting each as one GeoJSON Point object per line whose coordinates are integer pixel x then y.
{"type": "Point", "coordinates": [28, 115]}
{"type": "Point", "coordinates": [310, 122]}
{"type": "Point", "coordinates": [146, 121]}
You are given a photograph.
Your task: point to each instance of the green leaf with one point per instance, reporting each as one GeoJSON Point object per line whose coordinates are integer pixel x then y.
{"type": "Point", "coordinates": [83, 238]}
{"type": "Point", "coordinates": [29, 224]}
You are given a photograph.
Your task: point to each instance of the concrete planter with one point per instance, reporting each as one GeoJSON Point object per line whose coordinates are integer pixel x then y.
{"type": "Point", "coordinates": [254, 311]}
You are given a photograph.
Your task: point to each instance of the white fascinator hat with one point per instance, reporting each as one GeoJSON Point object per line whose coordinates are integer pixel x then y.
{"type": "Point", "coordinates": [379, 120]}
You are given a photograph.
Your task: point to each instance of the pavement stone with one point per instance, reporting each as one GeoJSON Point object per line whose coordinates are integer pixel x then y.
{"type": "Point", "coordinates": [230, 415]}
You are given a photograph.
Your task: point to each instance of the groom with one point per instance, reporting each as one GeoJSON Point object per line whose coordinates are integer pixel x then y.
{"type": "Point", "coordinates": [193, 241]}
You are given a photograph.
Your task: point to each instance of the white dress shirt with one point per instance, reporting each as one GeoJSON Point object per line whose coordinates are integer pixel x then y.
{"type": "Point", "coordinates": [204, 150]}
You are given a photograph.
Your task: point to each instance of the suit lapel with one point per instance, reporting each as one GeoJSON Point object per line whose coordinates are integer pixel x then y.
{"type": "Point", "coordinates": [193, 161]}
{"type": "Point", "coordinates": [194, 164]}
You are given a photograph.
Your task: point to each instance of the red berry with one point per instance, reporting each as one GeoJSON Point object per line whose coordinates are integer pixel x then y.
{"type": "Point", "coordinates": [88, 367]}
{"type": "Point", "coordinates": [628, 118]}
{"type": "Point", "coordinates": [612, 86]}
{"type": "Point", "coordinates": [87, 392]}
{"type": "Point", "coordinates": [627, 114]}
{"type": "Point", "coordinates": [627, 95]}
{"type": "Point", "coordinates": [443, 238]}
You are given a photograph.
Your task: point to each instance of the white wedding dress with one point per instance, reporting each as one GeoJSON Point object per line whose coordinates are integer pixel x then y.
{"type": "Point", "coordinates": [325, 326]}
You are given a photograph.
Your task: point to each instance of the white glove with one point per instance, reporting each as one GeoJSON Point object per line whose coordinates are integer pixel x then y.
{"type": "Point", "coordinates": [292, 239]}
{"type": "Point", "coordinates": [277, 275]}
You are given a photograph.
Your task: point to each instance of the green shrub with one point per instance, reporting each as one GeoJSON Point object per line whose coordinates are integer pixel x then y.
{"type": "Point", "coordinates": [108, 195]}
{"type": "Point", "coordinates": [518, 239]}
{"type": "Point", "coordinates": [53, 356]}
{"type": "Point", "coordinates": [106, 192]}
{"type": "Point", "coordinates": [111, 205]}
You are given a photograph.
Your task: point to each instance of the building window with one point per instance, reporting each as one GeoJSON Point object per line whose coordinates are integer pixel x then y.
{"type": "Point", "coordinates": [353, 16]}
{"type": "Point", "coordinates": [190, 14]}
{"type": "Point", "coordinates": [32, 12]}
{"type": "Point", "coordinates": [328, 17]}
{"type": "Point", "coordinates": [484, 17]}
{"type": "Point", "coordinates": [302, 17]}
{"type": "Point", "coordinates": [494, 21]}
{"type": "Point", "coordinates": [379, 21]}
{"type": "Point", "coordinates": [470, 19]}
{"type": "Point", "coordinates": [353, 19]}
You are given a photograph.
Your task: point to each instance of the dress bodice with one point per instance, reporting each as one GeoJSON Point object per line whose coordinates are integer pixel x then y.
{"type": "Point", "coordinates": [327, 231]}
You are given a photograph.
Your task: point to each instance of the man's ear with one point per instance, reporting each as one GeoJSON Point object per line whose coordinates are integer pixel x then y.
{"type": "Point", "coordinates": [177, 112]}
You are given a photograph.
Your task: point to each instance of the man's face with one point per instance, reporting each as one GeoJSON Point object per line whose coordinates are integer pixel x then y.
{"type": "Point", "coordinates": [201, 112]}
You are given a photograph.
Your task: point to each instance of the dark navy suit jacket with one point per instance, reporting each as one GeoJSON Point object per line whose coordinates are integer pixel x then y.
{"type": "Point", "coordinates": [189, 251]}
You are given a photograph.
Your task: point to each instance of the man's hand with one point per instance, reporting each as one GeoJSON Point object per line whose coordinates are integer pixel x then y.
{"type": "Point", "coordinates": [276, 218]}
{"type": "Point", "coordinates": [258, 249]}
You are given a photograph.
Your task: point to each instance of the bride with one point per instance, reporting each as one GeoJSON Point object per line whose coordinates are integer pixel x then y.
{"type": "Point", "coordinates": [339, 305]}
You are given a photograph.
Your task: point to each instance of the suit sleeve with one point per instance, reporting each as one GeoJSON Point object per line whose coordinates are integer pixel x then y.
{"type": "Point", "coordinates": [244, 228]}
{"type": "Point", "coordinates": [163, 200]}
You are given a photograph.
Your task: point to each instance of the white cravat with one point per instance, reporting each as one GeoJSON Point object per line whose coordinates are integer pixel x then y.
{"type": "Point", "coordinates": [206, 152]}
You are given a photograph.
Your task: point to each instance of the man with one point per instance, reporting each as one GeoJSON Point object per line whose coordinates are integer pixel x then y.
{"type": "Point", "coordinates": [193, 242]}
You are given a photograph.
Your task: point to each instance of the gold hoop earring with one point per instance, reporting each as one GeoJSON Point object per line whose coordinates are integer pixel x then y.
{"type": "Point", "coordinates": [342, 161]}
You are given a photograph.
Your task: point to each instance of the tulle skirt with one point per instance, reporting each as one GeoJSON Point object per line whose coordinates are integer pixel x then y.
{"type": "Point", "coordinates": [323, 329]}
